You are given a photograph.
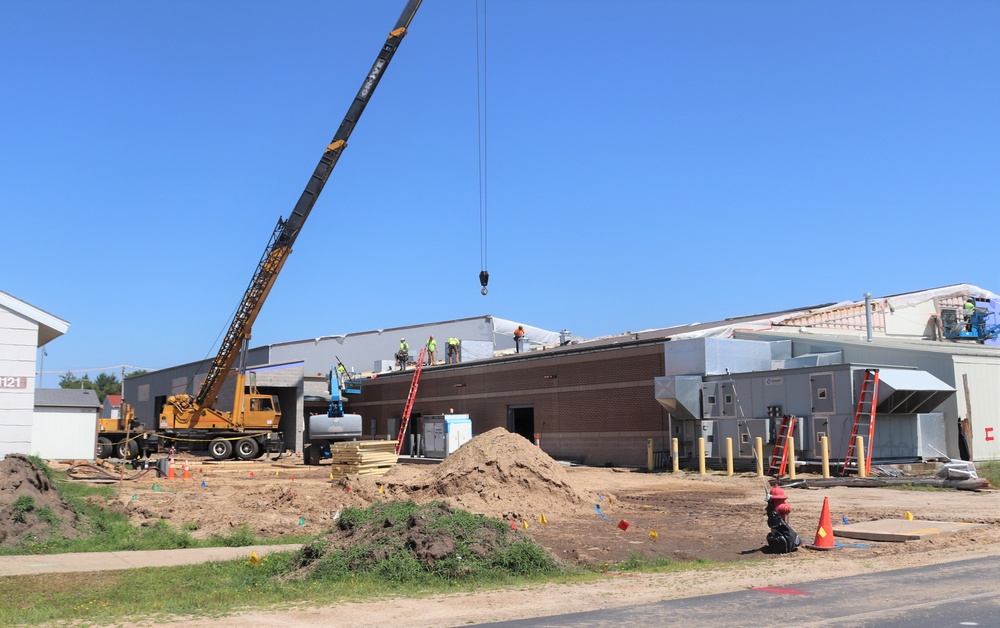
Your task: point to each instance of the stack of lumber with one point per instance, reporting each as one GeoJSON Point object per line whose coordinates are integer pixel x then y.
{"type": "Point", "coordinates": [373, 457]}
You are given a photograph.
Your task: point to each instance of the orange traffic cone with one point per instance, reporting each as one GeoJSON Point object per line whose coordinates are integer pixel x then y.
{"type": "Point", "coordinates": [170, 471]}
{"type": "Point", "coordinates": [187, 472]}
{"type": "Point", "coordinates": [824, 533]}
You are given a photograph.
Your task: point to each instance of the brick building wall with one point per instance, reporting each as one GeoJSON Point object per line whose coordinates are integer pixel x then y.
{"type": "Point", "coordinates": [594, 406]}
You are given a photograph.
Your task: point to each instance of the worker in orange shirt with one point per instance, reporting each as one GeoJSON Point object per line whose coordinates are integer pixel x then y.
{"type": "Point", "coordinates": [518, 337]}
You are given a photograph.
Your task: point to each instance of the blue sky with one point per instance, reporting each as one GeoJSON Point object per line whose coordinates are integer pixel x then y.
{"type": "Point", "coordinates": [650, 163]}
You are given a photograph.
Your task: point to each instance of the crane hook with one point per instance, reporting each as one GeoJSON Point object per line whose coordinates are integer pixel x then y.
{"type": "Point", "coordinates": [484, 278]}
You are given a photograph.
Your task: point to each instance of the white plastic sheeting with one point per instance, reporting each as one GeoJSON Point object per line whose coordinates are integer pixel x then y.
{"type": "Point", "coordinates": [912, 299]}
{"type": "Point", "coordinates": [532, 335]}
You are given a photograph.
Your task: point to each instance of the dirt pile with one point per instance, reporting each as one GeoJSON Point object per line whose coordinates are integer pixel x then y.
{"type": "Point", "coordinates": [30, 507]}
{"type": "Point", "coordinates": [406, 541]}
{"type": "Point", "coordinates": [498, 474]}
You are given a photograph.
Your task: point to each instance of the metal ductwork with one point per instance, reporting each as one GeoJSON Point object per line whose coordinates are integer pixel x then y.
{"type": "Point", "coordinates": [904, 391]}
{"type": "Point", "coordinates": [680, 395]}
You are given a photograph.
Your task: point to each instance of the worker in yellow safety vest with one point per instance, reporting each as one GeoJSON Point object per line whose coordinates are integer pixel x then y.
{"type": "Point", "coordinates": [453, 353]}
{"type": "Point", "coordinates": [403, 355]}
{"type": "Point", "coordinates": [969, 310]}
{"type": "Point", "coordinates": [432, 349]}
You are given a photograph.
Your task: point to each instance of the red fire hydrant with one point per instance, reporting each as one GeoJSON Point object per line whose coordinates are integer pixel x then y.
{"type": "Point", "coordinates": [780, 502]}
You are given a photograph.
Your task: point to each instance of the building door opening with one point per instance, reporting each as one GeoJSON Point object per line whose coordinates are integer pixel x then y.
{"type": "Point", "coordinates": [521, 420]}
{"type": "Point", "coordinates": [415, 429]}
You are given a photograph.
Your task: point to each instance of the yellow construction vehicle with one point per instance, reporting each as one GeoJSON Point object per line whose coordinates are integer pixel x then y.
{"type": "Point", "coordinates": [252, 426]}
{"type": "Point", "coordinates": [120, 436]}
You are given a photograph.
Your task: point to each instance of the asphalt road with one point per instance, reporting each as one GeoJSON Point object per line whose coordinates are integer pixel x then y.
{"type": "Point", "coordinates": [964, 593]}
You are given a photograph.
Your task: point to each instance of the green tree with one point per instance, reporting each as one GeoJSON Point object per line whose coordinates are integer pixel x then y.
{"type": "Point", "coordinates": [134, 373]}
{"type": "Point", "coordinates": [107, 385]}
{"type": "Point", "coordinates": [72, 381]}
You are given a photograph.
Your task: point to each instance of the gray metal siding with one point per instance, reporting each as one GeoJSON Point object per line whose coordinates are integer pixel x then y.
{"type": "Point", "coordinates": [359, 352]}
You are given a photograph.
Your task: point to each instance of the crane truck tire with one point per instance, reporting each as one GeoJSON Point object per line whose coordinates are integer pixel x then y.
{"type": "Point", "coordinates": [247, 448]}
{"type": "Point", "coordinates": [127, 450]}
{"type": "Point", "coordinates": [220, 448]}
{"type": "Point", "coordinates": [104, 447]}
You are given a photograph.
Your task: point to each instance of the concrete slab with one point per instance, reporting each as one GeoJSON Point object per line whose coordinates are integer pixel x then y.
{"type": "Point", "coordinates": [901, 530]}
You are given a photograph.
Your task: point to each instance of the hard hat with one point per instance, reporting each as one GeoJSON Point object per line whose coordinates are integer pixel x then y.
{"type": "Point", "coordinates": [402, 339]}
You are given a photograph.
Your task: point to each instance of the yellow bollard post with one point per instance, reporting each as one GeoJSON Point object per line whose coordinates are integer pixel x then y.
{"type": "Point", "coordinates": [824, 447]}
{"type": "Point", "coordinates": [859, 446]}
{"type": "Point", "coordinates": [729, 456]}
{"type": "Point", "coordinates": [649, 454]}
{"type": "Point", "coordinates": [758, 444]}
{"type": "Point", "coordinates": [675, 454]}
{"type": "Point", "coordinates": [791, 457]}
{"type": "Point", "coordinates": [701, 455]}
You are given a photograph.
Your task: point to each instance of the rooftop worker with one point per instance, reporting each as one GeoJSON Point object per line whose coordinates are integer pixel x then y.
{"type": "Point", "coordinates": [432, 349]}
{"type": "Point", "coordinates": [403, 355]}
{"type": "Point", "coordinates": [518, 337]}
{"type": "Point", "coordinates": [968, 310]}
{"type": "Point", "coordinates": [341, 373]}
{"type": "Point", "coordinates": [452, 356]}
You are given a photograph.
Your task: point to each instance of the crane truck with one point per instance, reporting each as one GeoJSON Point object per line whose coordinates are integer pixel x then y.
{"type": "Point", "coordinates": [251, 426]}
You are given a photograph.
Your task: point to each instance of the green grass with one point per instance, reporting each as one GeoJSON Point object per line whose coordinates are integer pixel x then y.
{"type": "Point", "coordinates": [205, 590]}
{"type": "Point", "coordinates": [219, 588]}
{"type": "Point", "coordinates": [382, 566]}
{"type": "Point", "coordinates": [21, 507]}
{"type": "Point", "coordinates": [989, 470]}
{"type": "Point", "coordinates": [107, 531]}
{"type": "Point", "coordinates": [389, 557]}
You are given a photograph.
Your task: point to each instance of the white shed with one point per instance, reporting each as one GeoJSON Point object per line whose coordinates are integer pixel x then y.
{"type": "Point", "coordinates": [65, 423]}
{"type": "Point", "coordinates": [23, 328]}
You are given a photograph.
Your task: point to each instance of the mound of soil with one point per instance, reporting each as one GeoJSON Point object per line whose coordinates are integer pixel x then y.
{"type": "Point", "coordinates": [30, 507]}
{"type": "Point", "coordinates": [497, 473]}
{"type": "Point", "coordinates": [438, 538]}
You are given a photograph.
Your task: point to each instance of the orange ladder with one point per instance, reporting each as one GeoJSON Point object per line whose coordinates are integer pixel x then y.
{"type": "Point", "coordinates": [405, 423]}
{"type": "Point", "coordinates": [864, 417]}
{"type": "Point", "coordinates": [779, 455]}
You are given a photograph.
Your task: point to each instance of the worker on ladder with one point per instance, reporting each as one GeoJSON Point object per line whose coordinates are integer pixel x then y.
{"type": "Point", "coordinates": [403, 355]}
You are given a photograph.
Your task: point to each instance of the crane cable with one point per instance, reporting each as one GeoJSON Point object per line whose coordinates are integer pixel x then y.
{"type": "Point", "coordinates": [484, 274]}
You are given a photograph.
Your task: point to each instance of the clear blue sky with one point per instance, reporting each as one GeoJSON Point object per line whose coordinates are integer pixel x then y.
{"type": "Point", "coordinates": [651, 163]}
